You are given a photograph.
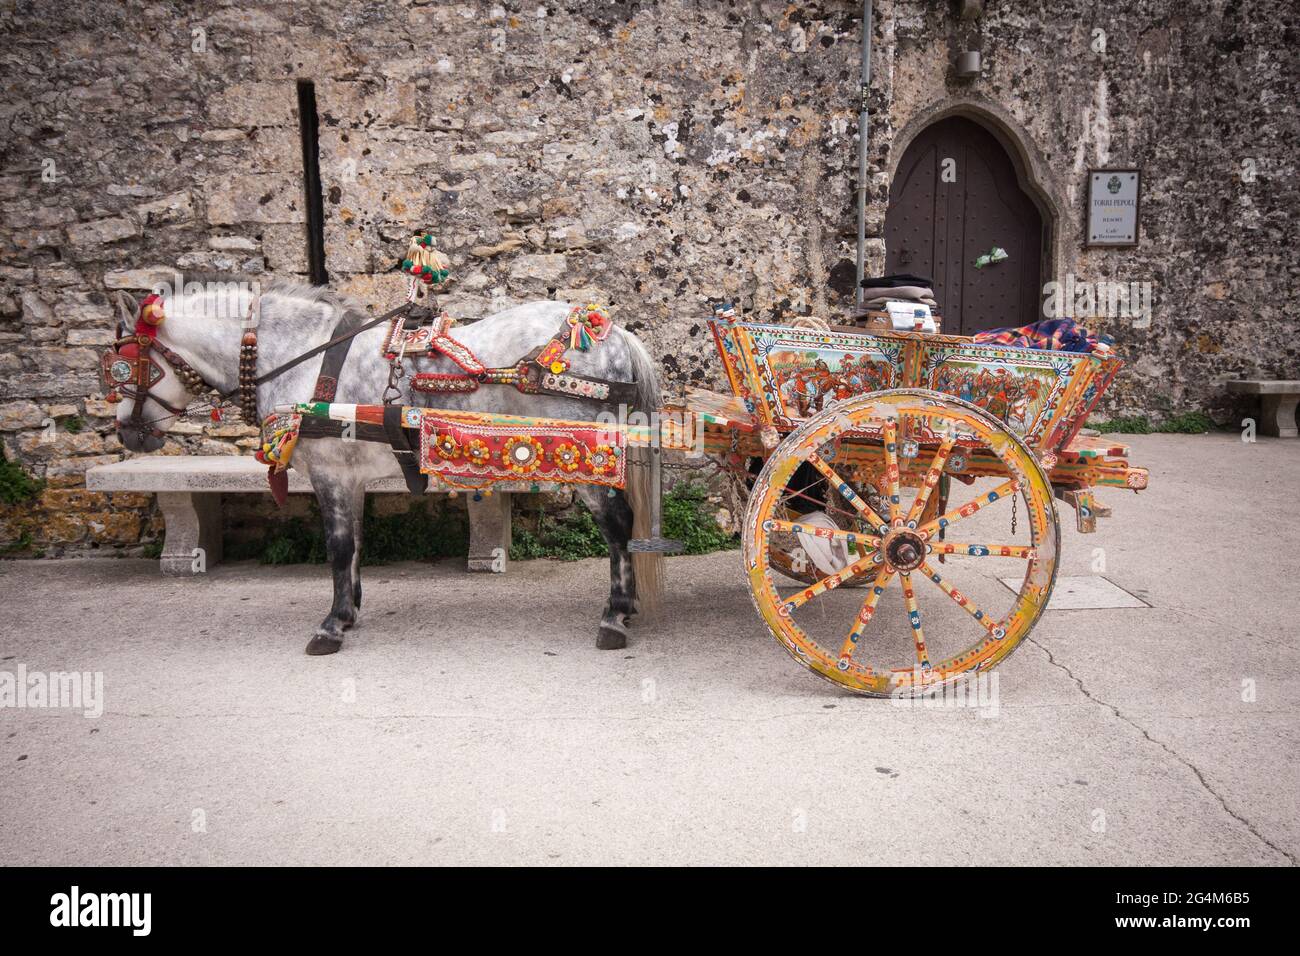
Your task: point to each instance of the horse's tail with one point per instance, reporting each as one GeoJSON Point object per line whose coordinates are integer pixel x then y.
{"type": "Point", "coordinates": [643, 474]}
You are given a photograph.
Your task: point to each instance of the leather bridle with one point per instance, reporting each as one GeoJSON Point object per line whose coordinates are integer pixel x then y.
{"type": "Point", "coordinates": [129, 370]}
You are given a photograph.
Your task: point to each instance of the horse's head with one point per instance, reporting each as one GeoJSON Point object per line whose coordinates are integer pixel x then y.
{"type": "Point", "coordinates": [150, 382]}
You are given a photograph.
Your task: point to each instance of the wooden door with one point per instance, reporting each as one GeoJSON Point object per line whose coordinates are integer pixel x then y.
{"type": "Point", "coordinates": [943, 215]}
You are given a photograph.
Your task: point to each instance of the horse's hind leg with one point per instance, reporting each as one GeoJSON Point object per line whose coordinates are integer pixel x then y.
{"type": "Point", "coordinates": [341, 507]}
{"type": "Point", "coordinates": [613, 515]}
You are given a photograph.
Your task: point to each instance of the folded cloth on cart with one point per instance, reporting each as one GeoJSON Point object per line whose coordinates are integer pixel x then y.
{"type": "Point", "coordinates": [874, 298]}
{"type": "Point", "coordinates": [1055, 335]}
{"type": "Point", "coordinates": [879, 291]}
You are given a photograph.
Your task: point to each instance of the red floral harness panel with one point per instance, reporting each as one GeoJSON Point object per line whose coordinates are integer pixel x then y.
{"type": "Point", "coordinates": [471, 450]}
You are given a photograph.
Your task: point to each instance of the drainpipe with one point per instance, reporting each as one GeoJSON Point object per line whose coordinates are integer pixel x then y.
{"type": "Point", "coordinates": [863, 119]}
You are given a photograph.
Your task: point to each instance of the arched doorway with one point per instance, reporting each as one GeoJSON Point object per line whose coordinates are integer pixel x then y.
{"type": "Point", "coordinates": [956, 195]}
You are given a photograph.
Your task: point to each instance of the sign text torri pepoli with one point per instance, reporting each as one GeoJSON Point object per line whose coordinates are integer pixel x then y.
{"type": "Point", "coordinates": [1114, 200]}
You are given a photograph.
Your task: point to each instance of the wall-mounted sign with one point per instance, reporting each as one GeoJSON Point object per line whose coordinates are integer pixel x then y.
{"type": "Point", "coordinates": [1113, 204]}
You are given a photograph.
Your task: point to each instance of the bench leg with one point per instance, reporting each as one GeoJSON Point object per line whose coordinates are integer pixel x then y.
{"type": "Point", "coordinates": [193, 523]}
{"type": "Point", "coordinates": [1279, 415]}
{"type": "Point", "coordinates": [489, 532]}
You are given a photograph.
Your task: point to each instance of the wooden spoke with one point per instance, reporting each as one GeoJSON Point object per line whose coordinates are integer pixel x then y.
{"type": "Point", "coordinates": [914, 616]}
{"type": "Point", "coordinates": [866, 612]}
{"type": "Point", "coordinates": [968, 509]}
{"type": "Point", "coordinates": [831, 581]}
{"type": "Point", "coordinates": [984, 550]}
{"type": "Point", "coordinates": [851, 496]}
{"type": "Point", "coordinates": [826, 506]}
{"type": "Point", "coordinates": [931, 478]}
{"type": "Point", "coordinates": [857, 458]}
{"type": "Point", "coordinates": [965, 603]}
{"type": "Point", "coordinates": [891, 472]}
{"type": "Point", "coordinates": [868, 541]}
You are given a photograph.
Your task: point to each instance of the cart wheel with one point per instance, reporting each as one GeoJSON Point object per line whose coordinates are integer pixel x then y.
{"type": "Point", "coordinates": [906, 439]}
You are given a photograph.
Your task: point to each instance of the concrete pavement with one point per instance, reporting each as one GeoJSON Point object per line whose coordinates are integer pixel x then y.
{"type": "Point", "coordinates": [471, 719]}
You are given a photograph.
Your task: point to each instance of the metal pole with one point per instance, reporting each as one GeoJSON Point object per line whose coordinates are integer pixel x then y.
{"type": "Point", "coordinates": [863, 119]}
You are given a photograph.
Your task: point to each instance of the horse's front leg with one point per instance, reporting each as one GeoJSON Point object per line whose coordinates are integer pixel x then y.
{"type": "Point", "coordinates": [613, 515]}
{"type": "Point", "coordinates": [341, 507]}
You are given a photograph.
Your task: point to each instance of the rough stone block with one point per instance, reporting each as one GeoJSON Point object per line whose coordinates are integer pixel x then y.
{"type": "Point", "coordinates": [119, 527]}
{"type": "Point", "coordinates": [365, 104]}
{"type": "Point", "coordinates": [259, 197]}
{"type": "Point", "coordinates": [261, 103]}
{"type": "Point", "coordinates": [178, 207]}
{"type": "Point", "coordinates": [102, 336]}
{"type": "Point", "coordinates": [285, 248]}
{"type": "Point", "coordinates": [102, 231]}
{"type": "Point", "coordinates": [17, 415]}
{"type": "Point", "coordinates": [49, 385]}
{"type": "Point", "coordinates": [544, 267]}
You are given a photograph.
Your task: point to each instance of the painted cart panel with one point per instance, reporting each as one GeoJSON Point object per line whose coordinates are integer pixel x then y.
{"type": "Point", "coordinates": [785, 375]}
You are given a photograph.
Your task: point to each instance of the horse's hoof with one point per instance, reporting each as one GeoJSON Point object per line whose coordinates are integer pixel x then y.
{"type": "Point", "coordinates": [323, 644]}
{"type": "Point", "coordinates": [611, 638]}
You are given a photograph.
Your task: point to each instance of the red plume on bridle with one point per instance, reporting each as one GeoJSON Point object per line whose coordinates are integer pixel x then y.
{"type": "Point", "coordinates": [151, 316]}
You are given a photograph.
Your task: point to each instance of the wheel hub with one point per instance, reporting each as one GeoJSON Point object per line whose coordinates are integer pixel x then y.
{"type": "Point", "coordinates": [904, 549]}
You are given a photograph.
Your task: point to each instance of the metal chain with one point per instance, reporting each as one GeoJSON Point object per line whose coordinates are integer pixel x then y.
{"type": "Point", "coordinates": [396, 372]}
{"type": "Point", "coordinates": [1014, 500]}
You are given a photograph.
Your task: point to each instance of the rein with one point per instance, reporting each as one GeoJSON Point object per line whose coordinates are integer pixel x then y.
{"type": "Point", "coordinates": [279, 370]}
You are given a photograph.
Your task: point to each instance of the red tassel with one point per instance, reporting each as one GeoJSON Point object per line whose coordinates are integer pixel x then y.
{"type": "Point", "coordinates": [279, 482]}
{"type": "Point", "coordinates": [216, 415]}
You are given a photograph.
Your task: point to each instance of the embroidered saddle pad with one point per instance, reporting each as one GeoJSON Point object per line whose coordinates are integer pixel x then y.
{"type": "Point", "coordinates": [475, 449]}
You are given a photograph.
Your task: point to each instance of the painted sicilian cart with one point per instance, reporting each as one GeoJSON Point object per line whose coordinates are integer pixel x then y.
{"type": "Point", "coordinates": [912, 458]}
{"type": "Point", "coordinates": [868, 460]}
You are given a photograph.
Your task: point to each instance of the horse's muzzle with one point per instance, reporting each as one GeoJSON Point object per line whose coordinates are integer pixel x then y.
{"type": "Point", "coordinates": [139, 437]}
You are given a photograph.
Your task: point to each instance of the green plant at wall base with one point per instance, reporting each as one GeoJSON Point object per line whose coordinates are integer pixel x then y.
{"type": "Point", "coordinates": [1188, 423]}
{"type": "Point", "coordinates": [16, 486]}
{"type": "Point", "coordinates": [1184, 423]}
{"type": "Point", "coordinates": [1127, 425]}
{"type": "Point", "coordinates": [689, 517]}
{"type": "Point", "coordinates": [426, 532]}
{"type": "Point", "coordinates": [567, 538]}
{"type": "Point", "coordinates": [415, 535]}
{"type": "Point", "coordinates": [19, 546]}
{"type": "Point", "coordinates": [74, 424]}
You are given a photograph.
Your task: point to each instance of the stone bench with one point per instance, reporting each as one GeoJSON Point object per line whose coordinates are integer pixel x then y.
{"type": "Point", "coordinates": [1278, 399]}
{"type": "Point", "coordinates": [189, 490]}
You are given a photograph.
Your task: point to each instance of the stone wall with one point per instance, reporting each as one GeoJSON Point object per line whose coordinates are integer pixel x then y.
{"type": "Point", "coordinates": [653, 156]}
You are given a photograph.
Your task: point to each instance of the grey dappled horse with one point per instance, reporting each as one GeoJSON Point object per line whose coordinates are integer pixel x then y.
{"type": "Point", "coordinates": [204, 325]}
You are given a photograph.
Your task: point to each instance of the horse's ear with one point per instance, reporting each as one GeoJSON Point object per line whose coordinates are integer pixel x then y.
{"type": "Point", "coordinates": [127, 310]}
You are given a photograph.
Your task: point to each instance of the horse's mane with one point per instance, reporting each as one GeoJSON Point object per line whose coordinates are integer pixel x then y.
{"type": "Point", "coordinates": [305, 292]}
{"type": "Point", "coordinates": [286, 288]}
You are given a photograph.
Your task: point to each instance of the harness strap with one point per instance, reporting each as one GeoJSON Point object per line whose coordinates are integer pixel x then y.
{"type": "Point", "coordinates": [407, 460]}
{"type": "Point", "coordinates": [336, 353]}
